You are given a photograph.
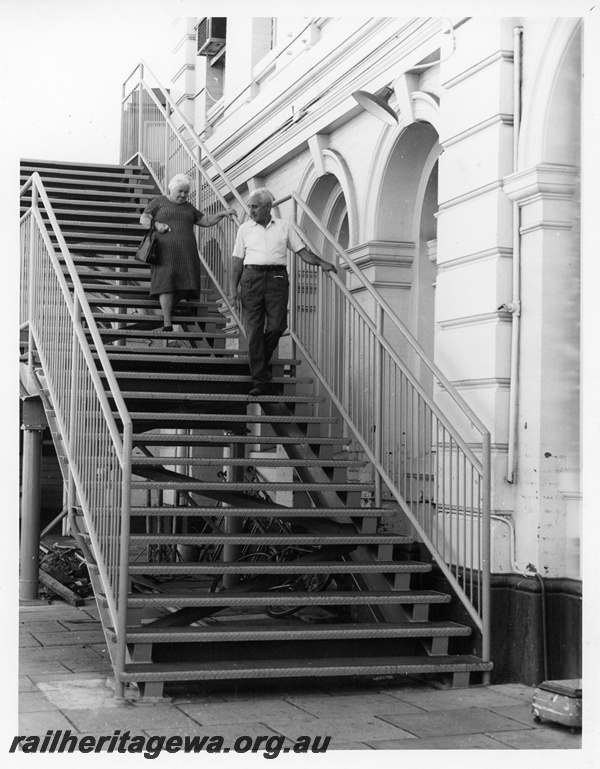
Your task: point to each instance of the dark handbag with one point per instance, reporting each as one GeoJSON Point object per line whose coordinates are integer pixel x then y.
{"type": "Point", "coordinates": [148, 250]}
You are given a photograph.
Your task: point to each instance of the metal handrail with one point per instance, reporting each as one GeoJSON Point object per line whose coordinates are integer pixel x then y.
{"type": "Point", "coordinates": [482, 467]}
{"type": "Point", "coordinates": [77, 387]}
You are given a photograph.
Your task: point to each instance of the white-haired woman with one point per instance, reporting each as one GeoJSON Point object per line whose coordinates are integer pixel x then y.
{"type": "Point", "coordinates": [176, 275]}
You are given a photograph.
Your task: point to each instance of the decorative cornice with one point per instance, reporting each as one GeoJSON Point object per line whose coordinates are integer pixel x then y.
{"type": "Point", "coordinates": [545, 180]}
{"type": "Point", "coordinates": [386, 250]}
{"type": "Point", "coordinates": [546, 225]}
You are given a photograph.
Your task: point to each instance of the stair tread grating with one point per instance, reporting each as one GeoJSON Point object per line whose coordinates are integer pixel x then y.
{"type": "Point", "coordinates": [321, 632]}
{"type": "Point", "coordinates": [274, 598]}
{"type": "Point", "coordinates": [305, 667]}
{"type": "Point", "coordinates": [281, 567]}
{"type": "Point", "coordinates": [279, 512]}
{"type": "Point", "coordinates": [270, 539]}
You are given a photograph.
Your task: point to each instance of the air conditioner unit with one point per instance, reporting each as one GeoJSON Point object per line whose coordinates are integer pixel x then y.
{"type": "Point", "coordinates": [210, 36]}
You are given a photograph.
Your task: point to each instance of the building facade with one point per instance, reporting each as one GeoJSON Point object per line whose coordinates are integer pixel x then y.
{"type": "Point", "coordinates": [464, 213]}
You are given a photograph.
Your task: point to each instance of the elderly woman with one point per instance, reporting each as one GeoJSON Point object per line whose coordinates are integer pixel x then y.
{"type": "Point", "coordinates": [176, 275]}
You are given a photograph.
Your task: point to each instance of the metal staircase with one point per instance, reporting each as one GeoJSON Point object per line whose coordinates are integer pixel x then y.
{"type": "Point", "coordinates": [224, 536]}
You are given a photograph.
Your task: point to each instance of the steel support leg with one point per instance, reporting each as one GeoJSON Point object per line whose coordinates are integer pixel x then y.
{"type": "Point", "coordinates": [31, 505]}
{"type": "Point", "coordinates": [233, 525]}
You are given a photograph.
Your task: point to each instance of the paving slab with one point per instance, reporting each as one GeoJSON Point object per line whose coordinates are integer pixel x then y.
{"type": "Point", "coordinates": [549, 738]}
{"type": "Point", "coordinates": [64, 637]}
{"type": "Point", "coordinates": [46, 626]}
{"type": "Point", "coordinates": [161, 718]}
{"type": "Point", "coordinates": [244, 711]}
{"type": "Point", "coordinates": [334, 706]}
{"type": "Point", "coordinates": [340, 729]}
{"type": "Point", "coordinates": [457, 721]}
{"type": "Point", "coordinates": [454, 699]}
{"type": "Point", "coordinates": [52, 653]}
{"type": "Point", "coordinates": [34, 702]}
{"type": "Point", "coordinates": [90, 693]}
{"type": "Point", "coordinates": [519, 691]}
{"type": "Point", "coordinates": [65, 675]}
{"type": "Point", "coordinates": [462, 742]}
{"type": "Point", "coordinates": [29, 668]}
{"type": "Point", "coordinates": [40, 723]}
{"type": "Point", "coordinates": [229, 732]}
{"type": "Point", "coordinates": [520, 712]}
{"type": "Point", "coordinates": [27, 685]}
{"type": "Point", "coordinates": [89, 666]}
{"type": "Point", "coordinates": [248, 690]}
{"type": "Point", "coordinates": [28, 641]}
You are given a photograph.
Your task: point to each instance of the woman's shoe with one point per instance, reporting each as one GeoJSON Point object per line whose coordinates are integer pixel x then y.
{"type": "Point", "coordinates": [167, 328]}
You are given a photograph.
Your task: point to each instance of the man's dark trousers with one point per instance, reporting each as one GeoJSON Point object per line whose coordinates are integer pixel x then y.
{"type": "Point", "coordinates": [264, 295]}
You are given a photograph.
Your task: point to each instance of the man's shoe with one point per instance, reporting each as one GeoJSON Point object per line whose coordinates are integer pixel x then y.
{"type": "Point", "coordinates": [259, 389]}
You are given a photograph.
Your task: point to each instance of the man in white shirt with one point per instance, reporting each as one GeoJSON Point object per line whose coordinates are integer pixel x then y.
{"type": "Point", "coordinates": [260, 275]}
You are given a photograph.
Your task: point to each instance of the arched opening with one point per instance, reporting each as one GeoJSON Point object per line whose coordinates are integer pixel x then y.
{"type": "Point", "coordinates": [405, 218]}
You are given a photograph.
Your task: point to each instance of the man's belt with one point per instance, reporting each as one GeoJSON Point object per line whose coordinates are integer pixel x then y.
{"type": "Point", "coordinates": [265, 267]}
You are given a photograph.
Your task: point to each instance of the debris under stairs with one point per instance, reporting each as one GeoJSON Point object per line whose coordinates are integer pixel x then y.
{"type": "Point", "coordinates": [252, 553]}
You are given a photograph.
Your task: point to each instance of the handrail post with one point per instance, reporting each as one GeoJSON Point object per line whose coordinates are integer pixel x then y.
{"type": "Point", "coordinates": [139, 111]}
{"type": "Point", "coordinates": [123, 586]}
{"type": "Point", "coordinates": [486, 555]}
{"type": "Point", "coordinates": [378, 416]}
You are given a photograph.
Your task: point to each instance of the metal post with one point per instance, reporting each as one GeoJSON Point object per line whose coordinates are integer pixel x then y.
{"type": "Point", "coordinates": [34, 423]}
{"type": "Point", "coordinates": [233, 524]}
{"type": "Point", "coordinates": [378, 416]}
{"type": "Point", "coordinates": [141, 96]}
{"type": "Point", "coordinates": [486, 555]}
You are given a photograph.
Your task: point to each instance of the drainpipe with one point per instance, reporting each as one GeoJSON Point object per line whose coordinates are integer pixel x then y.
{"type": "Point", "coordinates": [514, 307]}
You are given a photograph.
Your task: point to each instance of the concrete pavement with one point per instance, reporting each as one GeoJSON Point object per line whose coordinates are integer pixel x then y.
{"type": "Point", "coordinates": [64, 675]}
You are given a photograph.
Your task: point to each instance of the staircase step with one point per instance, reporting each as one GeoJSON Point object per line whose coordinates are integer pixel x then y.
{"type": "Point", "coordinates": [247, 462]}
{"type": "Point", "coordinates": [120, 262]}
{"type": "Point", "coordinates": [105, 182]}
{"type": "Point", "coordinates": [332, 667]}
{"type": "Point", "coordinates": [279, 567]}
{"type": "Point", "coordinates": [298, 632]}
{"type": "Point", "coordinates": [145, 302]}
{"type": "Point", "coordinates": [80, 197]}
{"type": "Point", "coordinates": [218, 397]}
{"type": "Point", "coordinates": [251, 486]}
{"type": "Point", "coordinates": [265, 512]}
{"type": "Point", "coordinates": [123, 207]}
{"type": "Point", "coordinates": [274, 598]}
{"type": "Point", "coordinates": [182, 355]}
{"type": "Point", "coordinates": [225, 379]}
{"type": "Point", "coordinates": [89, 216]}
{"type": "Point", "coordinates": [159, 334]}
{"type": "Point", "coordinates": [131, 232]}
{"type": "Point", "coordinates": [165, 439]}
{"type": "Point", "coordinates": [32, 164]}
{"type": "Point", "coordinates": [107, 248]}
{"type": "Point", "coordinates": [275, 540]}
{"type": "Point", "coordinates": [138, 318]}
{"type": "Point", "coordinates": [158, 416]}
